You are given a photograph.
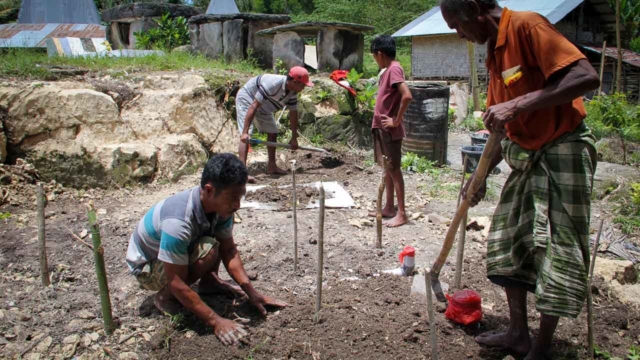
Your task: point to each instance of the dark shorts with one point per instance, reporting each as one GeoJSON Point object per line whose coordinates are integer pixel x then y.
{"type": "Point", "coordinates": [384, 145]}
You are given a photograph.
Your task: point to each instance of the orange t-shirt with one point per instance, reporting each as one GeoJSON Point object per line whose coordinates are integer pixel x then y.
{"type": "Point", "coordinates": [528, 40]}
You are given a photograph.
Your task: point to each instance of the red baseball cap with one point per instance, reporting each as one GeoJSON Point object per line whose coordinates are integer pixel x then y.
{"type": "Point", "coordinates": [301, 74]}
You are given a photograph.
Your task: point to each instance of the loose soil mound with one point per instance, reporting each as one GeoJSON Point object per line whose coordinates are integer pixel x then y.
{"type": "Point", "coordinates": [283, 197]}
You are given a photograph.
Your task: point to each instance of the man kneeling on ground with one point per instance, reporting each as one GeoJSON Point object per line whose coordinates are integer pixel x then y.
{"type": "Point", "coordinates": [183, 239]}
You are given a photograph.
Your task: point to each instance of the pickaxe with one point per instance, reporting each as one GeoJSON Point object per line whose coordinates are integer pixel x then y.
{"type": "Point", "coordinates": [478, 179]}
{"type": "Point", "coordinates": [255, 142]}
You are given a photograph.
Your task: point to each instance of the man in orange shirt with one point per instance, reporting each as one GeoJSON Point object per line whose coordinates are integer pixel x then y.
{"type": "Point", "coordinates": [539, 238]}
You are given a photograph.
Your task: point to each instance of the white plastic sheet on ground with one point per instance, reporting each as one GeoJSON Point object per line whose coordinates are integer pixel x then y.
{"type": "Point", "coordinates": [336, 197]}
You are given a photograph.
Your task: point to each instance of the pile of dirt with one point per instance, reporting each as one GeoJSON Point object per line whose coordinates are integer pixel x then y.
{"type": "Point", "coordinates": [283, 197]}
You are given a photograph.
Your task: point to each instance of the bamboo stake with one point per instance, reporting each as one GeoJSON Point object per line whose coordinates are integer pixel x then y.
{"type": "Point", "coordinates": [381, 187]}
{"type": "Point", "coordinates": [590, 296]}
{"type": "Point", "coordinates": [475, 89]}
{"type": "Point", "coordinates": [44, 265]}
{"type": "Point", "coordinates": [619, 42]}
{"type": "Point", "coordinates": [295, 217]}
{"type": "Point", "coordinates": [602, 62]}
{"type": "Point", "coordinates": [101, 272]}
{"type": "Point", "coordinates": [463, 234]}
{"type": "Point", "coordinates": [320, 250]}
{"type": "Point", "coordinates": [432, 317]}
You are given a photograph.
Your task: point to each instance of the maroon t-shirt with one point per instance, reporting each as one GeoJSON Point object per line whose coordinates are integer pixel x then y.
{"type": "Point", "coordinates": [389, 99]}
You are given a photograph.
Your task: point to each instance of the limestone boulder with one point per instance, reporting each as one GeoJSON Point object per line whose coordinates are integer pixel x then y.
{"type": "Point", "coordinates": [288, 47]}
{"type": "Point", "coordinates": [129, 163]}
{"type": "Point", "coordinates": [180, 155]}
{"type": "Point", "coordinates": [232, 40]}
{"type": "Point", "coordinates": [42, 111]}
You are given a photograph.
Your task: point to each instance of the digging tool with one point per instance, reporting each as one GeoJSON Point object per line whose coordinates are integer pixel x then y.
{"type": "Point", "coordinates": [295, 217]}
{"type": "Point", "coordinates": [463, 233]}
{"type": "Point", "coordinates": [255, 142]}
{"type": "Point", "coordinates": [432, 317]}
{"type": "Point", "coordinates": [590, 296]}
{"type": "Point", "coordinates": [320, 251]}
{"type": "Point", "coordinates": [480, 175]}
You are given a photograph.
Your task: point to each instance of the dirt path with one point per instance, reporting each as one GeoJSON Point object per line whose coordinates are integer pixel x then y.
{"type": "Point", "coordinates": [363, 316]}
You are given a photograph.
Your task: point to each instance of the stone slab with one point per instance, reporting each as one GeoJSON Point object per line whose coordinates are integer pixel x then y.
{"type": "Point", "coordinates": [207, 18]}
{"type": "Point", "coordinates": [140, 10]}
{"type": "Point", "coordinates": [288, 47]}
{"type": "Point", "coordinates": [210, 41]}
{"type": "Point", "coordinates": [232, 40]}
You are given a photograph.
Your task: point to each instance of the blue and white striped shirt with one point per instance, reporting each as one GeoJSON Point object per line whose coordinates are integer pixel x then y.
{"type": "Point", "coordinates": [170, 228]}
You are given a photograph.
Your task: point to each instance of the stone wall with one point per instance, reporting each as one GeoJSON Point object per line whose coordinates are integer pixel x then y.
{"type": "Point", "coordinates": [80, 137]}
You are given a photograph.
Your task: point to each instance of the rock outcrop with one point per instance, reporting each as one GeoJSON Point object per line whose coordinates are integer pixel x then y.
{"type": "Point", "coordinates": [79, 136]}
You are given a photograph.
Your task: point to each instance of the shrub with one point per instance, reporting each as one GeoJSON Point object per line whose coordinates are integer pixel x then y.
{"type": "Point", "coordinates": [170, 33]}
{"type": "Point", "coordinates": [635, 45]}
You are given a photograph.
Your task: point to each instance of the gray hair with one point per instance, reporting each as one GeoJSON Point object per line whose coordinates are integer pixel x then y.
{"type": "Point", "coordinates": [457, 6]}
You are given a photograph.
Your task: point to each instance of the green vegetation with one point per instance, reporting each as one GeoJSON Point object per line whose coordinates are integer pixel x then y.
{"type": "Point", "coordinates": [9, 10]}
{"type": "Point", "coordinates": [632, 354]}
{"type": "Point", "coordinates": [4, 215]}
{"type": "Point", "coordinates": [612, 115]}
{"type": "Point", "coordinates": [170, 33]}
{"type": "Point", "coordinates": [280, 67]}
{"type": "Point", "coordinates": [36, 65]}
{"type": "Point", "coordinates": [635, 45]}
{"type": "Point", "coordinates": [414, 163]}
{"type": "Point", "coordinates": [628, 209]}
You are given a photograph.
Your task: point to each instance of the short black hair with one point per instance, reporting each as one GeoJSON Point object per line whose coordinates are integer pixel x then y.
{"type": "Point", "coordinates": [385, 44]}
{"type": "Point", "coordinates": [224, 170]}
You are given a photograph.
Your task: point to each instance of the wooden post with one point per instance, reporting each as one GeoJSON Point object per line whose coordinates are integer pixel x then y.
{"type": "Point", "coordinates": [619, 42]}
{"type": "Point", "coordinates": [463, 234]}
{"type": "Point", "coordinates": [44, 265]}
{"type": "Point", "coordinates": [432, 317]}
{"type": "Point", "coordinates": [101, 272]}
{"type": "Point", "coordinates": [602, 63]}
{"type": "Point", "coordinates": [295, 217]}
{"type": "Point", "coordinates": [320, 250]}
{"type": "Point", "coordinates": [379, 204]}
{"type": "Point", "coordinates": [590, 329]}
{"type": "Point", "coordinates": [475, 89]}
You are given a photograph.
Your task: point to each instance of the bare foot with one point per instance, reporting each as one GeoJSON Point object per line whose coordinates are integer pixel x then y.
{"type": "Point", "coordinates": [518, 344]}
{"type": "Point", "coordinates": [535, 354]}
{"type": "Point", "coordinates": [275, 170]}
{"type": "Point", "coordinates": [166, 303]}
{"type": "Point", "coordinates": [396, 221]}
{"type": "Point", "coordinates": [251, 179]}
{"type": "Point", "coordinates": [386, 213]}
{"type": "Point", "coordinates": [213, 285]}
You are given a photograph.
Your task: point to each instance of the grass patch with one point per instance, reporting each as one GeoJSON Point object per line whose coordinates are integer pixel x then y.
{"type": "Point", "coordinates": [4, 215]}
{"type": "Point", "coordinates": [36, 64]}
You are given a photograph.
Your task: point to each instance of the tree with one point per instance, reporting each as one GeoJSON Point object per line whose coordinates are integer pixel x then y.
{"type": "Point", "coordinates": [630, 18]}
{"type": "Point", "coordinates": [9, 10]}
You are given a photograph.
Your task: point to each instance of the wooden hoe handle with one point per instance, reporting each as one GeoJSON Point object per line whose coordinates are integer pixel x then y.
{"type": "Point", "coordinates": [478, 179]}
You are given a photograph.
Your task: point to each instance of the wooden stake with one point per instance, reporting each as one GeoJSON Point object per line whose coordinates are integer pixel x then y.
{"type": "Point", "coordinates": [603, 60]}
{"type": "Point", "coordinates": [432, 317]}
{"type": "Point", "coordinates": [475, 89]}
{"type": "Point", "coordinates": [463, 234]}
{"type": "Point", "coordinates": [101, 272]}
{"type": "Point", "coordinates": [320, 250]}
{"type": "Point", "coordinates": [619, 42]}
{"type": "Point", "coordinates": [295, 217]}
{"type": "Point", "coordinates": [381, 188]}
{"type": "Point", "coordinates": [44, 265]}
{"type": "Point", "coordinates": [590, 331]}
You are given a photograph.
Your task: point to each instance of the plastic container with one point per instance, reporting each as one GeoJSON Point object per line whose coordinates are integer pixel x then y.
{"type": "Point", "coordinates": [473, 154]}
{"type": "Point", "coordinates": [408, 259]}
{"type": "Point", "coordinates": [465, 307]}
{"type": "Point", "coordinates": [479, 138]}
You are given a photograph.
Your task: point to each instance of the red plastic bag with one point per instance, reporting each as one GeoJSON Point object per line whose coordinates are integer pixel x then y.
{"type": "Point", "coordinates": [465, 307]}
{"type": "Point", "coordinates": [340, 78]}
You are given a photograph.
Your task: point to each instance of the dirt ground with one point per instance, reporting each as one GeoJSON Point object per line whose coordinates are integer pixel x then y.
{"type": "Point", "coordinates": [364, 316]}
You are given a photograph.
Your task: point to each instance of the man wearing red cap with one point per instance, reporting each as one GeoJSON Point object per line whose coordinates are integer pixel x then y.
{"type": "Point", "coordinates": [259, 99]}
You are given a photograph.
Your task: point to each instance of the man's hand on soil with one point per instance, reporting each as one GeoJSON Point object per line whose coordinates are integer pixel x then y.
{"type": "Point", "coordinates": [229, 332]}
{"type": "Point", "coordinates": [261, 302]}
{"type": "Point", "coordinates": [245, 138]}
{"type": "Point", "coordinates": [294, 143]}
{"type": "Point", "coordinates": [387, 122]}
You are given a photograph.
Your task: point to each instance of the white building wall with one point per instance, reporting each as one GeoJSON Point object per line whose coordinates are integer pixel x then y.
{"type": "Point", "coordinates": [444, 57]}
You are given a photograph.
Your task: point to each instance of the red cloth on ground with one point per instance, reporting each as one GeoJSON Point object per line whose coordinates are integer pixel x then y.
{"type": "Point", "coordinates": [465, 307]}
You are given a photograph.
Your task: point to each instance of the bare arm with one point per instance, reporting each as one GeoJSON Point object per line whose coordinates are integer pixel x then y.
{"type": "Point", "coordinates": [563, 87]}
{"type": "Point", "coordinates": [232, 262]}
{"type": "Point", "coordinates": [176, 276]}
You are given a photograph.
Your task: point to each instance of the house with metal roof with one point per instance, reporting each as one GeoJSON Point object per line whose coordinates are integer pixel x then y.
{"type": "Point", "coordinates": [439, 54]}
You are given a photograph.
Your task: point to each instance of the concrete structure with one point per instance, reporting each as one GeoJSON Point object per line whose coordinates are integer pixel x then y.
{"type": "Point", "coordinates": [220, 7]}
{"type": "Point", "coordinates": [340, 46]}
{"type": "Point", "coordinates": [438, 53]}
{"type": "Point", "coordinates": [126, 20]}
{"type": "Point", "coordinates": [233, 36]}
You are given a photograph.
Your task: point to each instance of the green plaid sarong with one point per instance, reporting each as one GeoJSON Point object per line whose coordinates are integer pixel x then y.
{"type": "Point", "coordinates": [539, 235]}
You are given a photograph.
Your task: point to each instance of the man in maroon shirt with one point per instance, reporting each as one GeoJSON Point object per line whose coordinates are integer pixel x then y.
{"type": "Point", "coordinates": [387, 127]}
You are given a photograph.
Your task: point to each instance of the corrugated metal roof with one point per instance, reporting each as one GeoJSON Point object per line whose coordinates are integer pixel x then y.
{"type": "Point", "coordinates": [628, 56]}
{"type": "Point", "coordinates": [35, 35]}
{"type": "Point", "coordinates": [219, 7]}
{"type": "Point", "coordinates": [58, 12]}
{"type": "Point", "coordinates": [432, 22]}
